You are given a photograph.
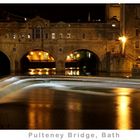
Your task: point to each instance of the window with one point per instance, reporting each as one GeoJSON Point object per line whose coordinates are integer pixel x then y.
{"type": "Point", "coordinates": [68, 35]}
{"type": "Point", "coordinates": [29, 36]}
{"type": "Point", "coordinates": [37, 32]}
{"type": "Point", "coordinates": [137, 44]}
{"type": "Point", "coordinates": [84, 36]}
{"type": "Point", "coordinates": [61, 35]}
{"type": "Point", "coordinates": [53, 35]}
{"type": "Point", "coordinates": [137, 32]}
{"type": "Point", "coordinates": [46, 35]}
{"type": "Point", "coordinates": [137, 12]}
{"type": "Point", "coordinates": [14, 36]}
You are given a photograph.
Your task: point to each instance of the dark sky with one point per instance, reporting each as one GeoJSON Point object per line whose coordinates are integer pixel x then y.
{"type": "Point", "coordinates": [55, 12]}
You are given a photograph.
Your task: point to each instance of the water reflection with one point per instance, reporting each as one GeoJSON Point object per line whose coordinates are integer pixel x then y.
{"type": "Point", "coordinates": [40, 109]}
{"type": "Point", "coordinates": [123, 109]}
{"type": "Point", "coordinates": [74, 109]}
{"type": "Point", "coordinates": [42, 71]}
{"type": "Point", "coordinates": [39, 116]}
{"type": "Point", "coordinates": [72, 71]}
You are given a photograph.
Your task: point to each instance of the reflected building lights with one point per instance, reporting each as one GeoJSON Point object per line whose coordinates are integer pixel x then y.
{"type": "Point", "coordinates": [42, 71]}
{"type": "Point", "coordinates": [39, 115]}
{"type": "Point", "coordinates": [72, 71]}
{"type": "Point", "coordinates": [123, 109]}
{"type": "Point", "coordinates": [74, 113]}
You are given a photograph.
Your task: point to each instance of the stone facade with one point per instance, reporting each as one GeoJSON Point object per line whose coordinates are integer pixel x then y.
{"type": "Point", "coordinates": [59, 39]}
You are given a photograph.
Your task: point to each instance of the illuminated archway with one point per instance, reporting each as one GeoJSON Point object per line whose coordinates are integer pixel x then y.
{"type": "Point", "coordinates": [38, 62]}
{"type": "Point", "coordinates": [82, 62]}
{"type": "Point", "coordinates": [4, 64]}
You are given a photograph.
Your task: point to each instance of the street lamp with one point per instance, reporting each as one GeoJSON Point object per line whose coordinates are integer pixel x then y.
{"type": "Point", "coordinates": [123, 40]}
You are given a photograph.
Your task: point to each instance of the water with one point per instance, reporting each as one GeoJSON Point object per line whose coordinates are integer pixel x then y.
{"type": "Point", "coordinates": [69, 103]}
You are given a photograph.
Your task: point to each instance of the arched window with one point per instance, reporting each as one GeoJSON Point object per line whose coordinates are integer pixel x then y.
{"type": "Point", "coordinates": [37, 32]}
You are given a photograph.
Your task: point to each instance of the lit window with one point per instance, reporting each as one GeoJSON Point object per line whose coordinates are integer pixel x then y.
{"type": "Point", "coordinates": [113, 25]}
{"type": "Point", "coordinates": [53, 35]}
{"type": "Point", "coordinates": [22, 35]}
{"type": "Point", "coordinates": [29, 36]}
{"type": "Point", "coordinates": [68, 35]}
{"type": "Point", "coordinates": [14, 36]}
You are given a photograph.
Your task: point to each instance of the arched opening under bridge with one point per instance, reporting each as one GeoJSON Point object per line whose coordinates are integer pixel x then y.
{"type": "Point", "coordinates": [82, 62]}
{"type": "Point", "coordinates": [4, 64]}
{"type": "Point", "coordinates": [38, 62]}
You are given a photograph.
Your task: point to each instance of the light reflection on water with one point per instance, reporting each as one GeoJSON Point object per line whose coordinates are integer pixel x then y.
{"type": "Point", "coordinates": [74, 113]}
{"type": "Point", "coordinates": [74, 71]}
{"type": "Point", "coordinates": [39, 112]}
{"type": "Point", "coordinates": [42, 71]}
{"type": "Point", "coordinates": [44, 108]}
{"type": "Point", "coordinates": [37, 117]}
{"type": "Point", "coordinates": [123, 109]}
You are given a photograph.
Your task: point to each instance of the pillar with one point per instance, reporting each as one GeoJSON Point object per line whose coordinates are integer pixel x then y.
{"type": "Point", "coordinates": [60, 67]}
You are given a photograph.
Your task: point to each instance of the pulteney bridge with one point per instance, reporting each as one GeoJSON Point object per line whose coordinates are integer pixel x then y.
{"type": "Point", "coordinates": [40, 43]}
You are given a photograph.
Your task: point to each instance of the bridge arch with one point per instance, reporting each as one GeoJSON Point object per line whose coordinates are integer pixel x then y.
{"type": "Point", "coordinates": [37, 61]}
{"type": "Point", "coordinates": [81, 62]}
{"type": "Point", "coordinates": [4, 64]}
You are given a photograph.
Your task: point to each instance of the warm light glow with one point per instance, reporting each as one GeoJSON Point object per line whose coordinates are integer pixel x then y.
{"type": "Point", "coordinates": [123, 39]}
{"type": "Point", "coordinates": [42, 71]}
{"type": "Point", "coordinates": [29, 36]}
{"type": "Point", "coordinates": [123, 108]}
{"type": "Point", "coordinates": [40, 56]}
{"type": "Point", "coordinates": [72, 71]}
{"type": "Point", "coordinates": [31, 53]}
{"type": "Point", "coordinates": [39, 53]}
{"type": "Point", "coordinates": [74, 109]}
{"type": "Point", "coordinates": [37, 118]}
{"type": "Point", "coordinates": [113, 25]}
{"type": "Point", "coordinates": [71, 55]}
{"type": "Point", "coordinates": [78, 55]}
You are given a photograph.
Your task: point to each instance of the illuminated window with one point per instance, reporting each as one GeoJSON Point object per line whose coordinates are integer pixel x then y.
{"type": "Point", "coordinates": [53, 35]}
{"type": "Point", "coordinates": [29, 36]}
{"type": "Point", "coordinates": [14, 36]}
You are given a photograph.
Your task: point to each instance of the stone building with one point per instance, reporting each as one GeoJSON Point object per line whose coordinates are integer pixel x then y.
{"type": "Point", "coordinates": [39, 43]}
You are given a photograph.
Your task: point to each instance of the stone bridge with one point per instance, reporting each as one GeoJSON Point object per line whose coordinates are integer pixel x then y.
{"type": "Point", "coordinates": [18, 39]}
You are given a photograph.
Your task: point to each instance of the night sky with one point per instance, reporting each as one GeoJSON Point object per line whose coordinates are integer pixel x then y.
{"type": "Point", "coordinates": [54, 12]}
